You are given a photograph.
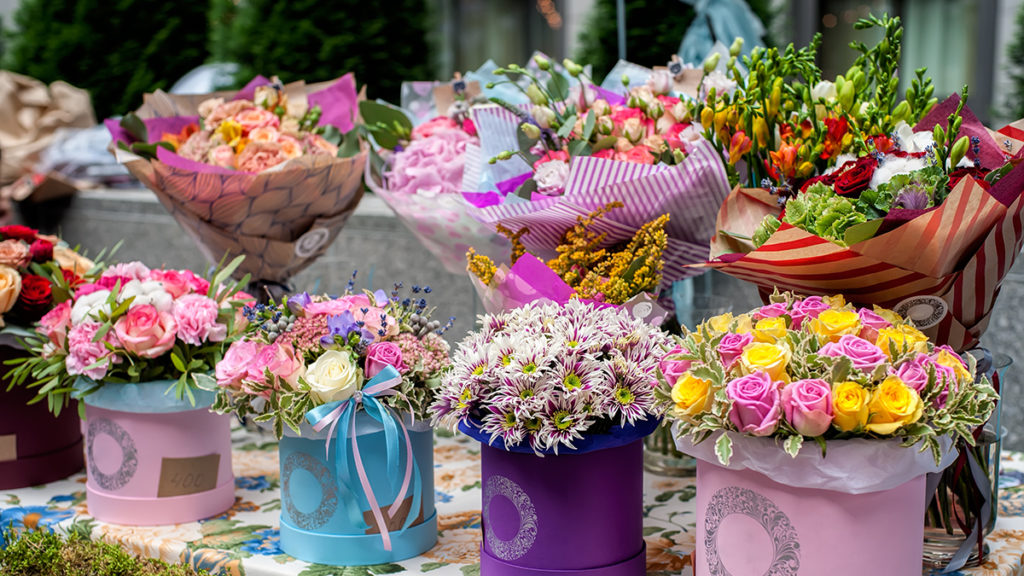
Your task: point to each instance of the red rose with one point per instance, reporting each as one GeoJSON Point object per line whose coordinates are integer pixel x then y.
{"type": "Point", "coordinates": [977, 173]}
{"type": "Point", "coordinates": [855, 178]}
{"type": "Point", "coordinates": [17, 232]}
{"type": "Point", "coordinates": [41, 250]}
{"type": "Point", "coordinates": [35, 299]}
{"type": "Point", "coordinates": [71, 279]}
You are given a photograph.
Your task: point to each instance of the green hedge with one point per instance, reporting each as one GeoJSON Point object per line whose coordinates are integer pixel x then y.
{"type": "Point", "coordinates": [654, 30]}
{"type": "Point", "coordinates": [44, 553]}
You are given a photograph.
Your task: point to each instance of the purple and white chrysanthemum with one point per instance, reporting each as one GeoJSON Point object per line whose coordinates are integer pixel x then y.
{"type": "Point", "coordinates": [524, 395]}
{"type": "Point", "coordinates": [564, 421]}
{"type": "Point", "coordinates": [632, 392]}
{"type": "Point", "coordinates": [530, 359]}
{"type": "Point", "coordinates": [574, 373]}
{"type": "Point", "coordinates": [504, 424]}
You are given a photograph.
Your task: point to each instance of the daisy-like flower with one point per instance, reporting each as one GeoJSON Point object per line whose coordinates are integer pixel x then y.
{"type": "Point", "coordinates": [632, 393]}
{"type": "Point", "coordinates": [504, 424]}
{"type": "Point", "coordinates": [473, 360]}
{"type": "Point", "coordinates": [530, 359]}
{"type": "Point", "coordinates": [574, 373]}
{"type": "Point", "coordinates": [564, 421]}
{"type": "Point", "coordinates": [524, 395]}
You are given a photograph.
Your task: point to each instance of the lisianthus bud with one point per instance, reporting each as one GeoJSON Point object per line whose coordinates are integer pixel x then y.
{"type": "Point", "coordinates": [712, 62]}
{"type": "Point", "coordinates": [601, 107]}
{"type": "Point", "coordinates": [543, 115]}
{"type": "Point", "coordinates": [530, 130]}
{"type": "Point", "coordinates": [536, 95]}
{"type": "Point", "coordinates": [572, 68]}
{"type": "Point", "coordinates": [681, 112]}
{"type": "Point", "coordinates": [542, 62]}
{"type": "Point", "coordinates": [736, 47]}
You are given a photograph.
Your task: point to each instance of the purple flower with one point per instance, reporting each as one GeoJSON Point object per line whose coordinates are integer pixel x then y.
{"type": "Point", "coordinates": [343, 325]}
{"type": "Point", "coordinates": [298, 302]}
{"type": "Point", "coordinates": [911, 200]}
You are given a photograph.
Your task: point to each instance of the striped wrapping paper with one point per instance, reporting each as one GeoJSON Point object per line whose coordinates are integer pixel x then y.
{"type": "Point", "coordinates": [690, 193]}
{"type": "Point", "coordinates": [943, 267]}
{"type": "Point", "coordinates": [497, 128]}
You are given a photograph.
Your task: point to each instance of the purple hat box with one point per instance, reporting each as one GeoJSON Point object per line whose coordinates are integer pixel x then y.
{"type": "Point", "coordinates": [35, 447]}
{"type": "Point", "coordinates": [575, 513]}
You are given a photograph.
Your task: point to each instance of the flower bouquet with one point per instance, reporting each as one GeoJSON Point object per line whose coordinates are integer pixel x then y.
{"type": "Point", "coordinates": [265, 173]}
{"type": "Point", "coordinates": [37, 273]}
{"type": "Point", "coordinates": [345, 384]}
{"type": "Point", "coordinates": [560, 397]}
{"type": "Point", "coordinates": [628, 275]}
{"type": "Point", "coordinates": [419, 171]}
{"type": "Point", "coordinates": [121, 345]}
{"type": "Point", "coordinates": [805, 416]}
{"type": "Point", "coordinates": [909, 204]}
{"type": "Point", "coordinates": [580, 147]}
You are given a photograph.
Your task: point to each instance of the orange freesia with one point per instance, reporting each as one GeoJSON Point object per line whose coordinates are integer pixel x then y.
{"type": "Point", "coordinates": [178, 139]}
{"type": "Point", "coordinates": [784, 160]}
{"type": "Point", "coordinates": [738, 146]}
{"type": "Point", "coordinates": [836, 129]}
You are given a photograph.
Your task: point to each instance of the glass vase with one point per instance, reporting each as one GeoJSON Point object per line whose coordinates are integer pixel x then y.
{"type": "Point", "coordinates": [955, 513]}
{"type": "Point", "coordinates": [661, 456]}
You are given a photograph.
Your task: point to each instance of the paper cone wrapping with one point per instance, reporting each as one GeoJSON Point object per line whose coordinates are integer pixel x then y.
{"type": "Point", "coordinates": [281, 219]}
{"type": "Point", "coordinates": [690, 193]}
{"type": "Point", "coordinates": [941, 266]}
{"type": "Point", "coordinates": [443, 225]}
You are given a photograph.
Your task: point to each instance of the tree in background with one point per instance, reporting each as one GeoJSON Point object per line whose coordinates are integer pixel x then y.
{"type": "Point", "coordinates": [654, 29]}
{"type": "Point", "coordinates": [382, 42]}
{"type": "Point", "coordinates": [116, 50]}
{"type": "Point", "coordinates": [1014, 103]}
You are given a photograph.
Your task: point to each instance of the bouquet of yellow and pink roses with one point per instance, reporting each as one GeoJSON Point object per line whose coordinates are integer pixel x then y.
{"type": "Point", "coordinates": [818, 368]}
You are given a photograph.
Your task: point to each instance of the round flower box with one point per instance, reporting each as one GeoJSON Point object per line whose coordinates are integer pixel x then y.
{"type": "Point", "coordinates": [35, 446]}
{"type": "Point", "coordinates": [580, 511]}
{"type": "Point", "coordinates": [769, 513]}
{"type": "Point", "coordinates": [153, 459]}
{"type": "Point", "coordinates": [326, 515]}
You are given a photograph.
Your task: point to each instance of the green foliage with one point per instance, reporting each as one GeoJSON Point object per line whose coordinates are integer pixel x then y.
{"type": "Point", "coordinates": [1014, 104]}
{"type": "Point", "coordinates": [384, 43]}
{"type": "Point", "coordinates": [654, 30]}
{"type": "Point", "coordinates": [41, 552]}
{"type": "Point", "coordinates": [116, 50]}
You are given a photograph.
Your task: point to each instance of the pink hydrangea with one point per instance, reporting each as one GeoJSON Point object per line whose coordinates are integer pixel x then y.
{"type": "Point", "coordinates": [430, 166]}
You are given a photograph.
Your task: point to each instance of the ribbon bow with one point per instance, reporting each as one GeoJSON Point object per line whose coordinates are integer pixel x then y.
{"type": "Point", "coordinates": [343, 411]}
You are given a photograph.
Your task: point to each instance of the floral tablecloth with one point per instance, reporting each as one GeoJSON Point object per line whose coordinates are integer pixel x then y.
{"type": "Point", "coordinates": [244, 541]}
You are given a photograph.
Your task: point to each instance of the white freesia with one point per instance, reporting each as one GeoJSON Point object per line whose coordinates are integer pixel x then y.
{"type": "Point", "coordinates": [333, 377]}
{"type": "Point", "coordinates": [719, 81]}
{"type": "Point", "coordinates": [551, 177]}
{"type": "Point", "coordinates": [824, 90]}
{"type": "Point", "coordinates": [910, 141]}
{"type": "Point", "coordinates": [893, 165]}
{"type": "Point", "coordinates": [90, 306]}
{"type": "Point", "coordinates": [149, 292]}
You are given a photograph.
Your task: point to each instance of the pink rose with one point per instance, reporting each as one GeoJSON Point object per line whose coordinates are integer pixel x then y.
{"type": "Point", "coordinates": [771, 311]}
{"type": "Point", "coordinates": [223, 156]}
{"type": "Point", "coordinates": [864, 355]}
{"type": "Point", "coordinates": [731, 346]}
{"type": "Point", "coordinates": [15, 253]}
{"type": "Point", "coordinates": [673, 136]}
{"type": "Point", "coordinates": [552, 156]}
{"type": "Point", "coordinates": [259, 156]}
{"type": "Point", "coordinates": [131, 270]}
{"type": "Point", "coordinates": [234, 366]}
{"type": "Point", "coordinates": [808, 406]}
{"type": "Point", "coordinates": [871, 323]}
{"type": "Point", "coordinates": [376, 321]}
{"type": "Point", "coordinates": [224, 111]}
{"type": "Point", "coordinates": [196, 316]}
{"type": "Point", "coordinates": [639, 154]}
{"type": "Point", "coordinates": [83, 352]}
{"type": "Point", "coordinates": [621, 113]}
{"type": "Point", "coordinates": [755, 404]}
{"type": "Point", "coordinates": [86, 289]}
{"type": "Point", "coordinates": [469, 127]}
{"type": "Point", "coordinates": [174, 282]}
{"type": "Point", "coordinates": [945, 377]}
{"type": "Point", "coordinates": [316, 145]}
{"type": "Point", "coordinates": [433, 126]}
{"type": "Point", "coordinates": [145, 331]}
{"type": "Point", "coordinates": [264, 134]}
{"type": "Point", "coordinates": [430, 166]}
{"type": "Point", "coordinates": [913, 374]}
{"type": "Point", "coordinates": [809, 307]}
{"type": "Point", "coordinates": [282, 361]}
{"type": "Point", "coordinates": [381, 354]}
{"type": "Point", "coordinates": [254, 118]}
{"type": "Point", "coordinates": [55, 323]}
{"type": "Point", "coordinates": [607, 154]}
{"type": "Point", "coordinates": [673, 368]}
{"type": "Point", "coordinates": [292, 148]}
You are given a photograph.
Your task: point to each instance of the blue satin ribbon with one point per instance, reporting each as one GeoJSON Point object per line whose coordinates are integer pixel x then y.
{"type": "Point", "coordinates": [341, 415]}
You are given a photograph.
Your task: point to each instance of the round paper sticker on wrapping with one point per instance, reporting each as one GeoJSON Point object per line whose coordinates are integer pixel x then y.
{"type": "Point", "coordinates": [924, 311]}
{"type": "Point", "coordinates": [311, 242]}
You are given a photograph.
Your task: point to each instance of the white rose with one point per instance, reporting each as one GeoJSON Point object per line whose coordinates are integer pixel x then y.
{"type": "Point", "coordinates": [551, 177]}
{"type": "Point", "coordinates": [90, 306]}
{"type": "Point", "coordinates": [910, 141]}
{"type": "Point", "coordinates": [149, 292]}
{"type": "Point", "coordinates": [893, 165]}
{"type": "Point", "coordinates": [543, 115]}
{"type": "Point", "coordinates": [333, 377]}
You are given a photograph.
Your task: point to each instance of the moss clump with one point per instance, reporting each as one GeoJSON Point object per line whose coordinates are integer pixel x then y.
{"type": "Point", "coordinates": [43, 553]}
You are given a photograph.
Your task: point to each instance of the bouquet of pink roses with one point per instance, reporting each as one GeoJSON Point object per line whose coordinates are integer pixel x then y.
{"type": "Point", "coordinates": [134, 324]}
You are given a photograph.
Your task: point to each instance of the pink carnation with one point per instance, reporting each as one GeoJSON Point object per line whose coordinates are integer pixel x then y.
{"type": "Point", "coordinates": [196, 316]}
{"type": "Point", "coordinates": [131, 270]}
{"type": "Point", "coordinates": [433, 126]}
{"type": "Point", "coordinates": [259, 156]}
{"type": "Point", "coordinates": [83, 352]}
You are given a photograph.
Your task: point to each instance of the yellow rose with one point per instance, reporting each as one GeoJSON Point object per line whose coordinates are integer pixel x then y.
{"type": "Point", "coordinates": [849, 406]}
{"type": "Point", "coordinates": [71, 261]}
{"type": "Point", "coordinates": [769, 358]}
{"type": "Point", "coordinates": [892, 406]}
{"type": "Point", "coordinates": [770, 330]}
{"type": "Point", "coordinates": [743, 324]}
{"type": "Point", "coordinates": [720, 323]}
{"type": "Point", "coordinates": [691, 395]}
{"type": "Point", "coordinates": [10, 288]}
{"type": "Point", "coordinates": [904, 337]}
{"type": "Point", "coordinates": [890, 316]}
{"type": "Point", "coordinates": [836, 301]}
{"type": "Point", "coordinates": [830, 325]}
{"type": "Point", "coordinates": [950, 360]}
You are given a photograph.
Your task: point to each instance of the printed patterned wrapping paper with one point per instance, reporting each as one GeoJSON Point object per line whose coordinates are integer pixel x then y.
{"type": "Point", "coordinates": [690, 193]}
{"type": "Point", "coordinates": [942, 266]}
{"type": "Point", "coordinates": [281, 219]}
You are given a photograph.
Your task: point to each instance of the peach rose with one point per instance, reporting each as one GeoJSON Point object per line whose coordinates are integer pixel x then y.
{"type": "Point", "coordinates": [254, 118]}
{"type": "Point", "coordinates": [15, 253]}
{"type": "Point", "coordinates": [10, 287]}
{"type": "Point", "coordinates": [259, 156]}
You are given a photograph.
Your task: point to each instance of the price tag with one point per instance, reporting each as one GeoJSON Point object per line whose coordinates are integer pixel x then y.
{"type": "Point", "coordinates": [183, 476]}
{"type": "Point", "coordinates": [8, 447]}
